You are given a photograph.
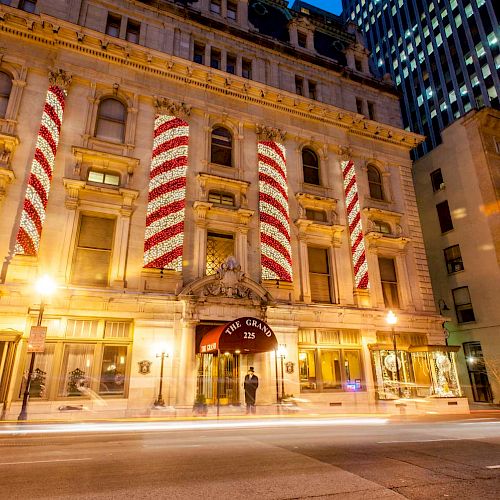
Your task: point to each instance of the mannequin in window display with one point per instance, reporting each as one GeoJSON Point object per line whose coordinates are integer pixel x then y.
{"type": "Point", "coordinates": [251, 383]}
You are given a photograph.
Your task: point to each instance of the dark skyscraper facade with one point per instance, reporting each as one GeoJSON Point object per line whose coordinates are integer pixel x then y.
{"type": "Point", "coordinates": [443, 55]}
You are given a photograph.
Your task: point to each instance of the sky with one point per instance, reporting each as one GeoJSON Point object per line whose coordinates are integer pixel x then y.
{"type": "Point", "coordinates": [334, 6]}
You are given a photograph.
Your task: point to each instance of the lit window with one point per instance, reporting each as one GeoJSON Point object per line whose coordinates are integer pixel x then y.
{"type": "Point", "coordinates": [389, 282]}
{"type": "Point", "coordinates": [492, 39]}
{"type": "Point", "coordinates": [92, 257]}
{"type": "Point", "coordinates": [468, 10]}
{"type": "Point", "coordinates": [453, 258]}
{"type": "Point", "coordinates": [221, 198]}
{"type": "Point", "coordinates": [381, 227]}
{"type": "Point", "coordinates": [104, 178]}
{"type": "Point", "coordinates": [437, 180]}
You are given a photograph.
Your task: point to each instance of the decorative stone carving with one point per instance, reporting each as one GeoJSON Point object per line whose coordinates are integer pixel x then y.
{"type": "Point", "coordinates": [60, 78]}
{"type": "Point", "coordinates": [228, 282]}
{"type": "Point", "coordinates": [265, 133]}
{"type": "Point", "coordinates": [345, 152]}
{"type": "Point", "coordinates": [165, 106]}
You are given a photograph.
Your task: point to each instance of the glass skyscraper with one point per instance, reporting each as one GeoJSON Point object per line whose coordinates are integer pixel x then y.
{"type": "Point", "coordinates": [443, 55]}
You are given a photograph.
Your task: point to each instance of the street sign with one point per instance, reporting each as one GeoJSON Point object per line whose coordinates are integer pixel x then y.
{"type": "Point", "coordinates": [36, 341]}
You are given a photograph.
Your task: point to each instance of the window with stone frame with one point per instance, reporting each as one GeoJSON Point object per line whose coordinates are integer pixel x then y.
{"type": "Point", "coordinates": [302, 39]}
{"type": "Point", "coordinates": [231, 64]}
{"type": "Point", "coordinates": [381, 227]}
{"type": "Point", "coordinates": [93, 251]}
{"type": "Point", "coordinates": [5, 90]}
{"type": "Point", "coordinates": [375, 183]}
{"type": "Point", "coordinates": [28, 5]}
{"type": "Point", "coordinates": [299, 85]}
{"type": "Point", "coordinates": [316, 215]}
{"type": "Point", "coordinates": [216, 6]}
{"type": "Point", "coordinates": [310, 166]}
{"type": "Point", "coordinates": [219, 247]}
{"type": "Point", "coordinates": [221, 198]}
{"type": "Point", "coordinates": [199, 53]}
{"type": "Point", "coordinates": [312, 88]}
{"type": "Point", "coordinates": [221, 151]}
{"type": "Point", "coordinates": [320, 277]}
{"type": "Point", "coordinates": [463, 304]}
{"type": "Point", "coordinates": [246, 68]}
{"type": "Point", "coordinates": [113, 24]}
{"type": "Point", "coordinates": [133, 31]}
{"type": "Point", "coordinates": [215, 58]}
{"type": "Point", "coordinates": [111, 120]}
{"type": "Point", "coordinates": [437, 180]}
{"type": "Point", "coordinates": [100, 177]}
{"type": "Point", "coordinates": [389, 282]}
{"type": "Point", "coordinates": [232, 10]}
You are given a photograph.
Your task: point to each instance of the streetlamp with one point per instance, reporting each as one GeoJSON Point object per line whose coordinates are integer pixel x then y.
{"type": "Point", "coordinates": [392, 319]}
{"type": "Point", "coordinates": [45, 287]}
{"type": "Point", "coordinates": [282, 353]}
{"type": "Point", "coordinates": [159, 400]}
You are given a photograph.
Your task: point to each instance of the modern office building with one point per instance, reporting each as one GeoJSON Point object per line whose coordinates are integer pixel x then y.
{"type": "Point", "coordinates": [458, 191]}
{"type": "Point", "coordinates": [444, 57]}
{"type": "Point", "coordinates": [214, 186]}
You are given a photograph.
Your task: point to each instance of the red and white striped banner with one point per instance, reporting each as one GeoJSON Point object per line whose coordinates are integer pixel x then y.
{"type": "Point", "coordinates": [276, 252]}
{"type": "Point", "coordinates": [360, 266]}
{"type": "Point", "coordinates": [42, 167]}
{"type": "Point", "coordinates": [164, 237]}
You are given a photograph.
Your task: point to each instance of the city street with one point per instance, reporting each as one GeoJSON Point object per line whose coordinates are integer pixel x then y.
{"type": "Point", "coordinates": [349, 458]}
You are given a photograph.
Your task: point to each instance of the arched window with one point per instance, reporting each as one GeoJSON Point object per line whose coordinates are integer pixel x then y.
{"type": "Point", "coordinates": [310, 166]}
{"type": "Point", "coordinates": [375, 183]}
{"type": "Point", "coordinates": [111, 119]}
{"type": "Point", "coordinates": [5, 88]}
{"type": "Point", "coordinates": [221, 147]}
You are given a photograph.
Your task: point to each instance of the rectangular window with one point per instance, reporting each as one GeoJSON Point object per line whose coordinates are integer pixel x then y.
{"type": "Point", "coordinates": [437, 180]}
{"type": "Point", "coordinates": [371, 110]}
{"type": "Point", "coordinates": [316, 215]}
{"type": "Point", "coordinates": [221, 198]}
{"type": "Point", "coordinates": [444, 216]}
{"type": "Point", "coordinates": [92, 257]}
{"type": "Point", "coordinates": [389, 281]}
{"type": "Point", "coordinates": [231, 64]}
{"type": "Point", "coordinates": [104, 178]}
{"type": "Point", "coordinates": [199, 53]}
{"type": "Point", "coordinates": [113, 25]}
{"type": "Point", "coordinates": [302, 39]}
{"type": "Point", "coordinates": [113, 369]}
{"type": "Point", "coordinates": [246, 69]}
{"type": "Point", "coordinates": [357, 64]}
{"type": "Point", "coordinates": [215, 58]}
{"type": "Point", "coordinates": [117, 330]}
{"type": "Point", "coordinates": [81, 328]}
{"type": "Point", "coordinates": [215, 6]}
{"type": "Point", "coordinates": [219, 248]}
{"type": "Point", "coordinates": [232, 11]}
{"type": "Point", "coordinates": [42, 372]}
{"type": "Point", "coordinates": [76, 371]}
{"type": "Point", "coordinates": [319, 274]}
{"type": "Point", "coordinates": [27, 5]}
{"type": "Point", "coordinates": [312, 89]}
{"type": "Point", "coordinates": [299, 85]}
{"type": "Point", "coordinates": [133, 31]}
{"type": "Point", "coordinates": [463, 304]}
{"type": "Point", "coordinates": [359, 106]}
{"type": "Point", "coordinates": [453, 258]}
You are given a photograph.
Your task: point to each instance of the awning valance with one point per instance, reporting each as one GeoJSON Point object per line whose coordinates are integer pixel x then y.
{"type": "Point", "coordinates": [243, 335]}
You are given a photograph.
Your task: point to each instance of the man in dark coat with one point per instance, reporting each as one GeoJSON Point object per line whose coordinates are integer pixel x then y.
{"type": "Point", "coordinates": [250, 385]}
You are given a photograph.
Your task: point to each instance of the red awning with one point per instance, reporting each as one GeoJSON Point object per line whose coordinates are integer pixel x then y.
{"type": "Point", "coordinates": [244, 335]}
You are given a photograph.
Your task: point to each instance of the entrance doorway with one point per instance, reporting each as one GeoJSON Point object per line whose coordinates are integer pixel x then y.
{"type": "Point", "coordinates": [478, 375]}
{"type": "Point", "coordinates": [219, 378]}
{"type": "Point", "coordinates": [8, 346]}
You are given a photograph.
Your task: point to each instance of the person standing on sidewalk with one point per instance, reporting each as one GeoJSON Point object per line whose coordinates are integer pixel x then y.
{"type": "Point", "coordinates": [251, 383]}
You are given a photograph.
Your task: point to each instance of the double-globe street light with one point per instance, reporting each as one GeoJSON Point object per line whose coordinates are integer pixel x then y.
{"type": "Point", "coordinates": [45, 287]}
{"type": "Point", "coordinates": [392, 319]}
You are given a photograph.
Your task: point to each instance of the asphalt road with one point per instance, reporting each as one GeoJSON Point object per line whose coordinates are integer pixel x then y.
{"type": "Point", "coordinates": [354, 458]}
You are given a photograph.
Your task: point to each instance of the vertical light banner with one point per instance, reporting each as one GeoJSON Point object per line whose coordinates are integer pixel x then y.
{"type": "Point", "coordinates": [360, 267]}
{"type": "Point", "coordinates": [164, 238]}
{"type": "Point", "coordinates": [42, 166]}
{"type": "Point", "coordinates": [276, 252]}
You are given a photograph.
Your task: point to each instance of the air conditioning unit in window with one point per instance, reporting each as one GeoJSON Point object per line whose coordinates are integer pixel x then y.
{"type": "Point", "coordinates": [442, 185]}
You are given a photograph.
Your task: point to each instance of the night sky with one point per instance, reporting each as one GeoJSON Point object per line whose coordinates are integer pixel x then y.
{"type": "Point", "coordinates": [334, 6]}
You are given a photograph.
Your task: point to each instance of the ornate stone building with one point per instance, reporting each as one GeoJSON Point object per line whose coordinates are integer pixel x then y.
{"type": "Point", "coordinates": [207, 181]}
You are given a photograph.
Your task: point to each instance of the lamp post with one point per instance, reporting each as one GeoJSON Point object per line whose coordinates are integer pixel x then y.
{"type": "Point", "coordinates": [392, 319]}
{"type": "Point", "coordinates": [159, 400]}
{"type": "Point", "coordinates": [282, 352]}
{"type": "Point", "coordinates": [45, 286]}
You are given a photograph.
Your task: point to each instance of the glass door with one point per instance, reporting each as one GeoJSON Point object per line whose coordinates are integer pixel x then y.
{"type": "Point", "coordinates": [478, 375]}
{"type": "Point", "coordinates": [218, 377]}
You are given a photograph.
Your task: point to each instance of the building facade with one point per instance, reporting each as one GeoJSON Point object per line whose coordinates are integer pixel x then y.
{"type": "Point", "coordinates": [183, 170]}
{"type": "Point", "coordinates": [444, 56]}
{"type": "Point", "coordinates": [458, 192]}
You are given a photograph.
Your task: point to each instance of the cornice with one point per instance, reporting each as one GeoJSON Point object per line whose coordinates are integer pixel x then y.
{"type": "Point", "coordinates": [59, 34]}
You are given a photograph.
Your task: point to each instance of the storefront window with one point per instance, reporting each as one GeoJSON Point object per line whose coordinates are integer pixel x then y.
{"type": "Point", "coordinates": [41, 372]}
{"type": "Point", "coordinates": [307, 367]}
{"type": "Point", "coordinates": [76, 369]}
{"type": "Point", "coordinates": [330, 370]}
{"type": "Point", "coordinates": [113, 369]}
